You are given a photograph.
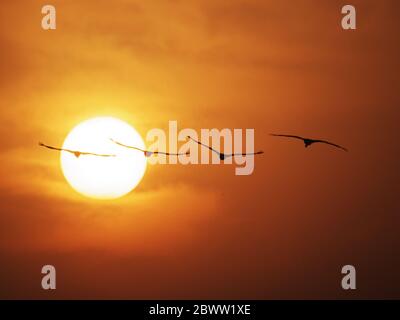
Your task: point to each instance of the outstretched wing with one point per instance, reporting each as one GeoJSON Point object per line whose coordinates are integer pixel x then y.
{"type": "Point", "coordinates": [57, 149]}
{"type": "Point", "coordinates": [94, 154]}
{"type": "Point", "coordinates": [50, 147]}
{"type": "Point", "coordinates": [204, 145]}
{"type": "Point", "coordinates": [172, 154]}
{"type": "Point", "coordinates": [126, 146]}
{"type": "Point", "coordinates": [150, 152]}
{"type": "Point", "coordinates": [286, 135]}
{"type": "Point", "coordinates": [332, 144]}
{"type": "Point", "coordinates": [244, 154]}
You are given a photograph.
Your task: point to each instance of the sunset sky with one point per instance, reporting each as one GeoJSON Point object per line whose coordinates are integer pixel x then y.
{"type": "Point", "coordinates": [199, 231]}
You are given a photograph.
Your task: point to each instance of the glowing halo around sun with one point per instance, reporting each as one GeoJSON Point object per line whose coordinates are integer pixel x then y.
{"type": "Point", "coordinates": [103, 177]}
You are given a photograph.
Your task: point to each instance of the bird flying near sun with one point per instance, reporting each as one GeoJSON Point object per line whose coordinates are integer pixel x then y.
{"type": "Point", "coordinates": [107, 171]}
{"type": "Point", "coordinates": [148, 153]}
{"type": "Point", "coordinates": [75, 152]}
{"type": "Point", "coordinates": [307, 141]}
{"type": "Point", "coordinates": [223, 156]}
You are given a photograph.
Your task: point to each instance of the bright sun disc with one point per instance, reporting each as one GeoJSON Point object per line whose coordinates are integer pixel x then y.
{"type": "Point", "coordinates": [103, 177]}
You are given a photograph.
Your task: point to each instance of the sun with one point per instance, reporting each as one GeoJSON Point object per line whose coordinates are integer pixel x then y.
{"type": "Point", "coordinates": [103, 177]}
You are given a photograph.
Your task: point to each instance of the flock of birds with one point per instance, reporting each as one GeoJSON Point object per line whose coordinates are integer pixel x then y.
{"type": "Point", "coordinates": [307, 142]}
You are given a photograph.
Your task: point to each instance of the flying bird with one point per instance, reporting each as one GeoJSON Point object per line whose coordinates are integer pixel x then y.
{"type": "Point", "coordinates": [223, 156]}
{"type": "Point", "coordinates": [75, 152]}
{"type": "Point", "coordinates": [148, 153]}
{"type": "Point", "coordinates": [307, 141]}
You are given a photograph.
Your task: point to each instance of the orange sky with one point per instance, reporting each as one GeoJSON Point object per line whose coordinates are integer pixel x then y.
{"type": "Point", "coordinates": [201, 231]}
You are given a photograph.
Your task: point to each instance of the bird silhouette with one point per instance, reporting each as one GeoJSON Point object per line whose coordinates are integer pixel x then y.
{"type": "Point", "coordinates": [75, 152]}
{"type": "Point", "coordinates": [148, 153]}
{"type": "Point", "coordinates": [307, 141]}
{"type": "Point", "coordinates": [223, 156]}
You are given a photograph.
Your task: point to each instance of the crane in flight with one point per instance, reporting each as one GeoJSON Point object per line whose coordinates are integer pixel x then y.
{"type": "Point", "coordinates": [76, 153]}
{"type": "Point", "coordinates": [307, 141]}
{"type": "Point", "coordinates": [148, 153]}
{"type": "Point", "coordinates": [223, 156]}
